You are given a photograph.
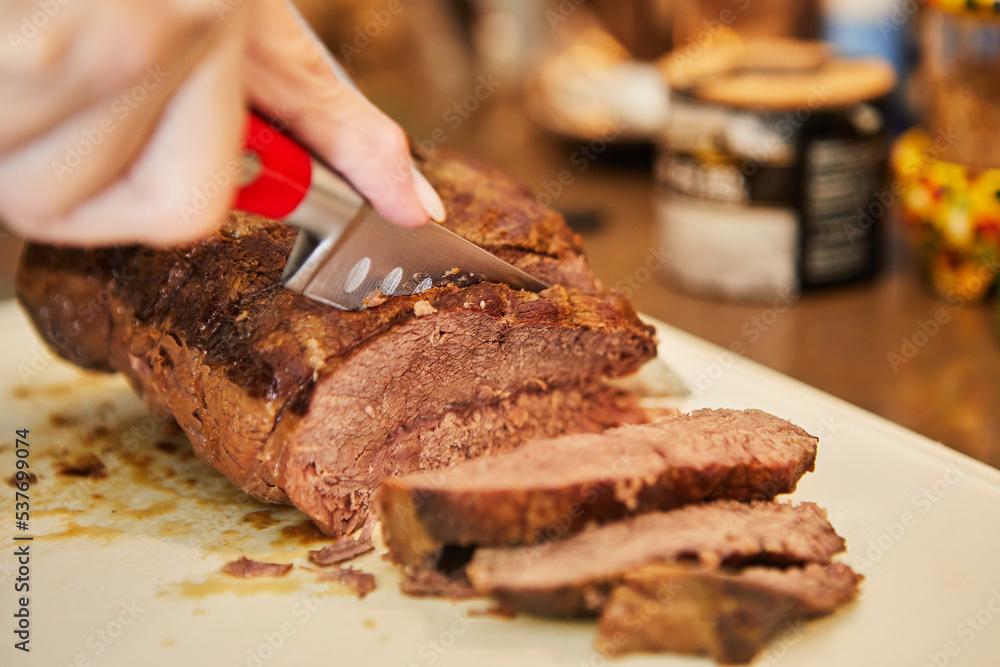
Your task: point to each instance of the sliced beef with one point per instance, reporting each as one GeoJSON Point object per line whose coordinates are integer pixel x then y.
{"type": "Point", "coordinates": [730, 616]}
{"type": "Point", "coordinates": [549, 489]}
{"type": "Point", "coordinates": [296, 401]}
{"type": "Point", "coordinates": [575, 575]}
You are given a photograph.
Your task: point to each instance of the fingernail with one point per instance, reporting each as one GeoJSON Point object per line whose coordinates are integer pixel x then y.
{"type": "Point", "coordinates": [429, 199]}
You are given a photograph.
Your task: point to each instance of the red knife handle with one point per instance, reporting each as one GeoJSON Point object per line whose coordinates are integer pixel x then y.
{"type": "Point", "coordinates": [278, 179]}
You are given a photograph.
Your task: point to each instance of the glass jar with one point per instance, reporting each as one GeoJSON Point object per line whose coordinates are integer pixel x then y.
{"type": "Point", "coordinates": [961, 63]}
{"type": "Point", "coordinates": [770, 168]}
{"type": "Point", "coordinates": [951, 215]}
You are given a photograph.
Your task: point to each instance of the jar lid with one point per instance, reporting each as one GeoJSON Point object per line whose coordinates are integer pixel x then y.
{"type": "Point", "coordinates": [776, 75]}
{"type": "Point", "coordinates": [973, 7]}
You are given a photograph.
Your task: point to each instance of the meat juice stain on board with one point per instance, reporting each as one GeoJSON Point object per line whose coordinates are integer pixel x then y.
{"type": "Point", "coordinates": [260, 519]}
{"type": "Point", "coordinates": [297, 581]}
{"type": "Point", "coordinates": [107, 470]}
{"type": "Point", "coordinates": [217, 583]}
{"type": "Point", "coordinates": [304, 533]}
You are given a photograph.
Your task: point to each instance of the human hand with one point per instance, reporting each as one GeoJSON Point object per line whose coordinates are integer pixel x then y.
{"type": "Point", "coordinates": [122, 121]}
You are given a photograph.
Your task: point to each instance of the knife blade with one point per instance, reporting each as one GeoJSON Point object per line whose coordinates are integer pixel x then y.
{"type": "Point", "coordinates": [373, 258]}
{"type": "Point", "coordinates": [346, 254]}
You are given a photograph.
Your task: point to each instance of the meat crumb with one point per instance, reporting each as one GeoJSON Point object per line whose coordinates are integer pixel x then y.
{"type": "Point", "coordinates": [345, 549]}
{"type": "Point", "coordinates": [423, 307]}
{"type": "Point", "coordinates": [244, 568]}
{"type": "Point", "coordinates": [430, 583]}
{"type": "Point", "coordinates": [452, 272]}
{"type": "Point", "coordinates": [361, 583]}
{"type": "Point", "coordinates": [376, 299]}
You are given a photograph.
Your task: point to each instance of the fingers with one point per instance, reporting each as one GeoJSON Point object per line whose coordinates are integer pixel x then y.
{"type": "Point", "coordinates": [288, 79]}
{"type": "Point", "coordinates": [427, 195]}
{"type": "Point", "coordinates": [97, 147]}
{"type": "Point", "coordinates": [177, 187]}
{"type": "Point", "coordinates": [60, 59]}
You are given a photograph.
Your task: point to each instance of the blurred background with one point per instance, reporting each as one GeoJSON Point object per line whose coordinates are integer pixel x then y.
{"type": "Point", "coordinates": [734, 174]}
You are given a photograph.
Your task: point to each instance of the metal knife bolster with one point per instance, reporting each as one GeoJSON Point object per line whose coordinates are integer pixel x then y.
{"type": "Point", "coordinates": [329, 207]}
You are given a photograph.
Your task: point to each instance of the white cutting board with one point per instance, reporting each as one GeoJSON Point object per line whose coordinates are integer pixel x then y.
{"type": "Point", "coordinates": [125, 569]}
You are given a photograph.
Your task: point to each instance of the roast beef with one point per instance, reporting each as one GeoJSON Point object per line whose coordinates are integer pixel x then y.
{"type": "Point", "coordinates": [296, 401]}
{"type": "Point", "coordinates": [730, 615]}
{"type": "Point", "coordinates": [574, 576]}
{"type": "Point", "coordinates": [549, 489]}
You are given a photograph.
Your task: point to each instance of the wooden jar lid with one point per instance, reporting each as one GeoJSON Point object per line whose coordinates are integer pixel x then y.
{"type": "Point", "coordinates": [776, 75]}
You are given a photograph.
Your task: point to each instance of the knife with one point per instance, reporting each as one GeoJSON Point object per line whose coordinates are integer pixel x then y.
{"type": "Point", "coordinates": [346, 253]}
